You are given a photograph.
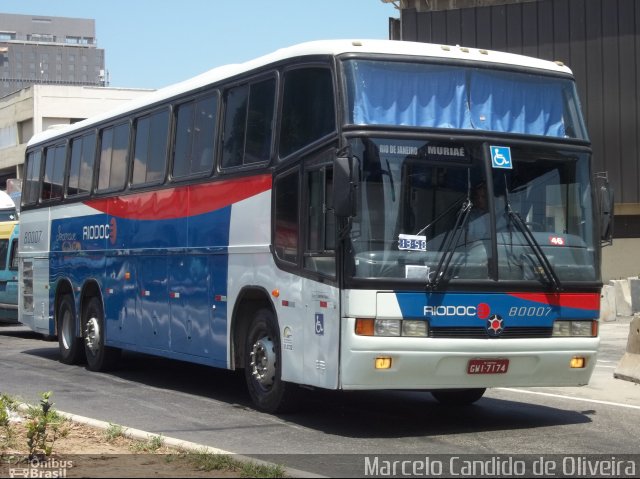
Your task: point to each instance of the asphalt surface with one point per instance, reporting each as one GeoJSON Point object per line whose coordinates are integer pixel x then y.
{"type": "Point", "coordinates": [333, 429]}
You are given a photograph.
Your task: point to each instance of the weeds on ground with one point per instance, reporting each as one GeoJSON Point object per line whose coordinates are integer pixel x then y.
{"type": "Point", "coordinates": [152, 444]}
{"type": "Point", "coordinates": [113, 432]}
{"type": "Point", "coordinates": [44, 427]}
{"type": "Point", "coordinates": [207, 462]}
{"type": "Point", "coordinates": [7, 433]}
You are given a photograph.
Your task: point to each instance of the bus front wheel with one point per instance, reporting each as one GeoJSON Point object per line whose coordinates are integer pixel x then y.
{"type": "Point", "coordinates": [263, 366]}
{"type": "Point", "coordinates": [457, 397]}
{"type": "Point", "coordinates": [71, 350]}
{"type": "Point", "coordinates": [99, 356]}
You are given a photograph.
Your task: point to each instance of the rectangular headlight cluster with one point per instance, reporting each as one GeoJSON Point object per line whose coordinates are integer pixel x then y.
{"type": "Point", "coordinates": [392, 327]}
{"type": "Point", "coordinates": [583, 329]}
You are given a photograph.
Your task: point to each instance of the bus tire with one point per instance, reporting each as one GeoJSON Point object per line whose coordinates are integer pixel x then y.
{"type": "Point", "coordinates": [71, 347]}
{"type": "Point", "coordinates": [263, 366]}
{"type": "Point", "coordinates": [458, 397]}
{"type": "Point", "coordinates": [99, 356]}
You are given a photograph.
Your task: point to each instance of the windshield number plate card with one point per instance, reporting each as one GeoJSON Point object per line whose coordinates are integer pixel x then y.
{"type": "Point", "coordinates": [487, 366]}
{"type": "Point", "coordinates": [412, 242]}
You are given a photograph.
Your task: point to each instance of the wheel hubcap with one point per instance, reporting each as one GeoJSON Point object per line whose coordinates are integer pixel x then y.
{"type": "Point", "coordinates": [263, 362]}
{"type": "Point", "coordinates": [92, 335]}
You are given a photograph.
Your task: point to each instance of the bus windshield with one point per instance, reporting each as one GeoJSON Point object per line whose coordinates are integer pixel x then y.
{"type": "Point", "coordinates": [426, 212]}
{"type": "Point", "coordinates": [428, 95]}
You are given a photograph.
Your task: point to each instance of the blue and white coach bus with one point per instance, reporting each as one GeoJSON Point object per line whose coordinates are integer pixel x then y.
{"type": "Point", "coordinates": [338, 214]}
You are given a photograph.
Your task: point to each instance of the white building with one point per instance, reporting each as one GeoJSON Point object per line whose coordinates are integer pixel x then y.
{"type": "Point", "coordinates": [39, 107]}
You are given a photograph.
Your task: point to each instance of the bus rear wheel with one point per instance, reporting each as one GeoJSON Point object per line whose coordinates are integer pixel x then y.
{"type": "Point", "coordinates": [457, 397]}
{"type": "Point", "coordinates": [263, 366]}
{"type": "Point", "coordinates": [71, 349]}
{"type": "Point", "coordinates": [99, 356]}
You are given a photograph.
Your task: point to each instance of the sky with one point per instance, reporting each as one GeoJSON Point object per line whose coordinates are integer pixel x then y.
{"type": "Point", "coordinates": [147, 42]}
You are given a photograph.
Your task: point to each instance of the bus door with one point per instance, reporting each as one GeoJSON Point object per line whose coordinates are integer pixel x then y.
{"type": "Point", "coordinates": [320, 296]}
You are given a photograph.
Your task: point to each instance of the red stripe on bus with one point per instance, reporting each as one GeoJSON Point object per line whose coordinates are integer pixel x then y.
{"type": "Point", "coordinates": [182, 201]}
{"type": "Point", "coordinates": [589, 301]}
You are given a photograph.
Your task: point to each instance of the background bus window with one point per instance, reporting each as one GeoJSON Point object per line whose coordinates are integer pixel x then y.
{"type": "Point", "coordinates": [4, 250]}
{"type": "Point", "coordinates": [248, 124]}
{"type": "Point", "coordinates": [195, 137]}
{"type": "Point", "coordinates": [81, 167]}
{"type": "Point", "coordinates": [55, 159]}
{"type": "Point", "coordinates": [150, 158]}
{"type": "Point", "coordinates": [308, 111]}
{"type": "Point", "coordinates": [286, 221]}
{"type": "Point", "coordinates": [113, 157]}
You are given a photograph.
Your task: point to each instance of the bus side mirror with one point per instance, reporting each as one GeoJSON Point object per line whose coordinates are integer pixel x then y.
{"type": "Point", "coordinates": [343, 187]}
{"type": "Point", "coordinates": [606, 207]}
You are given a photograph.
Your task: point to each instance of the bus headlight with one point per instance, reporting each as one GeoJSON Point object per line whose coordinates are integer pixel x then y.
{"type": "Point", "coordinates": [387, 327]}
{"type": "Point", "coordinates": [415, 329]}
{"type": "Point", "coordinates": [584, 329]}
{"type": "Point", "coordinates": [392, 327]}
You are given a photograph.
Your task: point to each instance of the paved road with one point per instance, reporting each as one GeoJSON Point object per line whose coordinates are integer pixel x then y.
{"type": "Point", "coordinates": [212, 407]}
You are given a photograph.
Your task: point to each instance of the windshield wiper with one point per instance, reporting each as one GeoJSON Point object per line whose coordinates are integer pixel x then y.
{"type": "Point", "coordinates": [450, 242]}
{"type": "Point", "coordinates": [533, 244]}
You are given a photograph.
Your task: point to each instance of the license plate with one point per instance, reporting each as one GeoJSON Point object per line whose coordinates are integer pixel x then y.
{"type": "Point", "coordinates": [487, 366]}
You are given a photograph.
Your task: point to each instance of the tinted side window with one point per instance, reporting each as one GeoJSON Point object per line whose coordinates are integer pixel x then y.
{"type": "Point", "coordinates": [195, 137]}
{"type": "Point", "coordinates": [32, 185]}
{"type": "Point", "coordinates": [235, 120]}
{"type": "Point", "coordinates": [308, 111]}
{"type": "Point", "coordinates": [86, 163]}
{"type": "Point", "coordinates": [4, 250]}
{"type": "Point", "coordinates": [248, 123]}
{"type": "Point", "coordinates": [113, 157]}
{"type": "Point", "coordinates": [55, 158]}
{"type": "Point", "coordinates": [260, 121]}
{"type": "Point", "coordinates": [150, 156]}
{"type": "Point", "coordinates": [286, 217]}
{"type": "Point", "coordinates": [13, 258]}
{"type": "Point", "coordinates": [81, 165]}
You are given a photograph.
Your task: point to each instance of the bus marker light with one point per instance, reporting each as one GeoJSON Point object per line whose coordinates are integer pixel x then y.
{"type": "Point", "coordinates": [578, 362]}
{"type": "Point", "coordinates": [127, 275]}
{"type": "Point", "coordinates": [365, 327]}
{"type": "Point", "coordinates": [275, 293]}
{"type": "Point", "coordinates": [383, 363]}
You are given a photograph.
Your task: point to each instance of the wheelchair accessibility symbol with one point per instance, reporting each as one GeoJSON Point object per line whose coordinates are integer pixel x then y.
{"type": "Point", "coordinates": [501, 157]}
{"type": "Point", "coordinates": [320, 324]}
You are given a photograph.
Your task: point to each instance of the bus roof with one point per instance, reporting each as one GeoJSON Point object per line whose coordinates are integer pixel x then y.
{"type": "Point", "coordinates": [5, 201]}
{"type": "Point", "coordinates": [324, 47]}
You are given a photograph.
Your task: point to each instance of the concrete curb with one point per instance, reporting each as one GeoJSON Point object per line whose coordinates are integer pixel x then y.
{"type": "Point", "coordinates": [629, 366]}
{"type": "Point", "coordinates": [179, 443]}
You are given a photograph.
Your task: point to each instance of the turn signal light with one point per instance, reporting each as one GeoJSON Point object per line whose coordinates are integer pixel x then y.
{"type": "Point", "coordinates": [383, 363]}
{"type": "Point", "coordinates": [577, 362]}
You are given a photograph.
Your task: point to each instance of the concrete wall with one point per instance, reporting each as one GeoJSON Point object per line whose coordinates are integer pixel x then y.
{"type": "Point", "coordinates": [621, 260]}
